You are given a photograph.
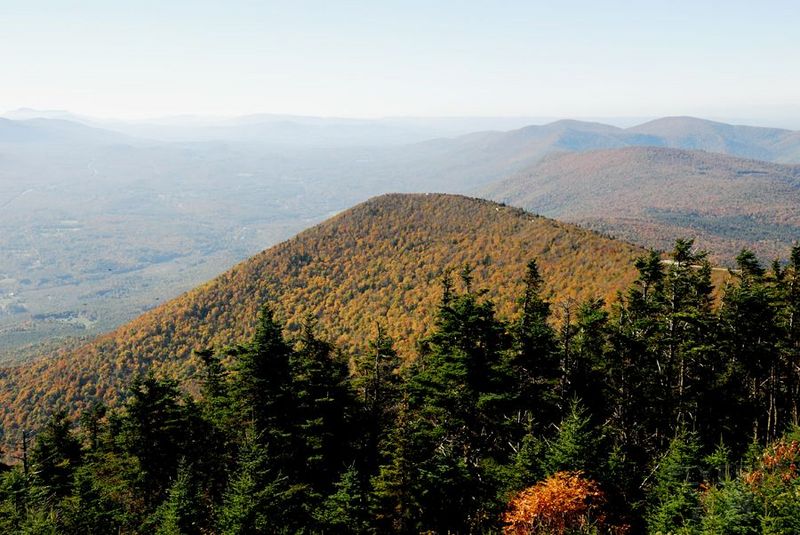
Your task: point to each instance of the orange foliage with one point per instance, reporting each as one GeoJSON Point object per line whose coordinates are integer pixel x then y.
{"type": "Point", "coordinates": [564, 501]}
{"type": "Point", "coordinates": [779, 460]}
{"type": "Point", "coordinates": [379, 261]}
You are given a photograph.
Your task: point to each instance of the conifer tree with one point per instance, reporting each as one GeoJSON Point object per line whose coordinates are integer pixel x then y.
{"type": "Point", "coordinates": [323, 412]}
{"type": "Point", "coordinates": [575, 447]}
{"type": "Point", "coordinates": [55, 456]}
{"type": "Point", "coordinates": [674, 499]}
{"type": "Point", "coordinates": [534, 358]}
{"type": "Point", "coordinates": [346, 509]}
{"type": "Point", "coordinates": [378, 383]}
{"type": "Point", "coordinates": [181, 514]}
{"type": "Point", "coordinates": [454, 429]}
{"type": "Point", "coordinates": [395, 488]}
{"type": "Point", "coordinates": [153, 430]}
{"type": "Point", "coordinates": [262, 386]}
{"type": "Point", "coordinates": [750, 347]}
{"type": "Point", "coordinates": [258, 498]}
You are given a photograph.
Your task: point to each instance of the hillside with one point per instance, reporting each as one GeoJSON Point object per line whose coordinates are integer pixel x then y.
{"type": "Point", "coordinates": [480, 157]}
{"type": "Point", "coordinates": [71, 189]}
{"type": "Point", "coordinates": [651, 195]}
{"type": "Point", "coordinates": [771, 144]}
{"type": "Point", "coordinates": [378, 262]}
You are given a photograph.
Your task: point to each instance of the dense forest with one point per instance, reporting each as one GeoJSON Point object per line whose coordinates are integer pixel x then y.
{"type": "Point", "coordinates": [665, 412]}
{"type": "Point", "coordinates": [380, 259]}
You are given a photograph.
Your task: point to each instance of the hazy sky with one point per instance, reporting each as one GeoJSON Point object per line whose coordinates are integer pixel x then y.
{"type": "Point", "coordinates": [375, 58]}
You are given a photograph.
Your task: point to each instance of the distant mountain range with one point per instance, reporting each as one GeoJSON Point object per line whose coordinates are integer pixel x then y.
{"type": "Point", "coordinates": [379, 262]}
{"type": "Point", "coordinates": [652, 195]}
{"type": "Point", "coordinates": [481, 156]}
{"type": "Point", "coordinates": [57, 131]}
{"type": "Point", "coordinates": [510, 138]}
{"type": "Point", "coordinates": [100, 220]}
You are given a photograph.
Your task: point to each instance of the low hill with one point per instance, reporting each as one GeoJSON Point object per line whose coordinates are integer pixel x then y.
{"type": "Point", "coordinates": [380, 261]}
{"type": "Point", "coordinates": [651, 195]}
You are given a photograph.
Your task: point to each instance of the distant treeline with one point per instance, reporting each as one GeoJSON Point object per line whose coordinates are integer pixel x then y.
{"type": "Point", "coordinates": [666, 412]}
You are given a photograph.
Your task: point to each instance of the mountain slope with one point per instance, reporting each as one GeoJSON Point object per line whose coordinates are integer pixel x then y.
{"type": "Point", "coordinates": [378, 262]}
{"type": "Point", "coordinates": [772, 144]}
{"type": "Point", "coordinates": [651, 195]}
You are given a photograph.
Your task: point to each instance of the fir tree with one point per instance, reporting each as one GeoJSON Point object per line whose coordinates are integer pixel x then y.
{"type": "Point", "coordinates": [674, 499]}
{"type": "Point", "coordinates": [55, 456]}
{"type": "Point", "coordinates": [181, 514]}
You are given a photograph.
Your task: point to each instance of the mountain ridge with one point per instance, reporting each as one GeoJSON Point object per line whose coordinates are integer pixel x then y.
{"type": "Point", "coordinates": [650, 195]}
{"type": "Point", "coordinates": [380, 261]}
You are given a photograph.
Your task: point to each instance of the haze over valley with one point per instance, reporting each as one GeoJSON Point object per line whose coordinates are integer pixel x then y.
{"type": "Point", "coordinates": [440, 268]}
{"type": "Point", "coordinates": [99, 225]}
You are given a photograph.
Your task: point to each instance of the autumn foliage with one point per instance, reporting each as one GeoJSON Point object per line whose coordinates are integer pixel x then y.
{"type": "Point", "coordinates": [564, 502]}
{"type": "Point", "coordinates": [381, 260]}
{"type": "Point", "coordinates": [779, 462]}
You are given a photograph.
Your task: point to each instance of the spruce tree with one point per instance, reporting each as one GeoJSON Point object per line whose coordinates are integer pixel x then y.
{"type": "Point", "coordinates": [181, 513]}
{"type": "Point", "coordinates": [456, 433]}
{"type": "Point", "coordinates": [262, 385]}
{"type": "Point", "coordinates": [323, 416]}
{"type": "Point", "coordinates": [575, 446]}
{"type": "Point", "coordinates": [258, 498]}
{"type": "Point", "coordinates": [55, 456]}
{"type": "Point", "coordinates": [378, 384]}
{"type": "Point", "coordinates": [153, 430]}
{"type": "Point", "coordinates": [534, 358]}
{"type": "Point", "coordinates": [674, 498]}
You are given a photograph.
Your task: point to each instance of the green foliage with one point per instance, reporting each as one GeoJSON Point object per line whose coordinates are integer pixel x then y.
{"type": "Point", "coordinates": [181, 514]}
{"type": "Point", "coordinates": [55, 456]}
{"type": "Point", "coordinates": [256, 497]}
{"type": "Point", "coordinates": [283, 437]}
{"type": "Point", "coordinates": [346, 510]}
{"type": "Point", "coordinates": [729, 508]}
{"type": "Point", "coordinates": [674, 497]}
{"type": "Point", "coordinates": [575, 447]}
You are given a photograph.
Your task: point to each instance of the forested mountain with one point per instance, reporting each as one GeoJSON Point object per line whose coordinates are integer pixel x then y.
{"type": "Point", "coordinates": [661, 414]}
{"type": "Point", "coordinates": [650, 195]}
{"type": "Point", "coordinates": [525, 146]}
{"type": "Point", "coordinates": [71, 191]}
{"type": "Point", "coordinates": [771, 144]}
{"type": "Point", "coordinates": [381, 261]}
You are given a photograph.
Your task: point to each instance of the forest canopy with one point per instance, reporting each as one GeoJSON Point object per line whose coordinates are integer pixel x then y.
{"type": "Point", "coordinates": [661, 413]}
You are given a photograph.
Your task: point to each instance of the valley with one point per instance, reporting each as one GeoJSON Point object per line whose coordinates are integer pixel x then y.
{"type": "Point", "coordinates": [98, 226]}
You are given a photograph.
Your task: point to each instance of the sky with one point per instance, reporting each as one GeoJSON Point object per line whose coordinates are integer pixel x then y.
{"type": "Point", "coordinates": [137, 59]}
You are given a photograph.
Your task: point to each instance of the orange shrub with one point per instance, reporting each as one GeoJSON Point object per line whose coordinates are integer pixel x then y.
{"type": "Point", "coordinates": [564, 501]}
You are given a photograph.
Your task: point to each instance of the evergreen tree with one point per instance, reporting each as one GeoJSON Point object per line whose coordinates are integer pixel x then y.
{"type": "Point", "coordinates": [181, 513]}
{"type": "Point", "coordinates": [750, 347]}
{"type": "Point", "coordinates": [674, 499]}
{"type": "Point", "coordinates": [323, 414]}
{"type": "Point", "coordinates": [153, 430]}
{"type": "Point", "coordinates": [346, 509]}
{"type": "Point", "coordinates": [55, 456]}
{"type": "Point", "coordinates": [587, 375]}
{"type": "Point", "coordinates": [378, 383]}
{"type": "Point", "coordinates": [534, 357]}
{"type": "Point", "coordinates": [575, 447]}
{"type": "Point", "coordinates": [393, 500]}
{"type": "Point", "coordinates": [455, 431]}
{"type": "Point", "coordinates": [262, 386]}
{"type": "Point", "coordinates": [258, 498]}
